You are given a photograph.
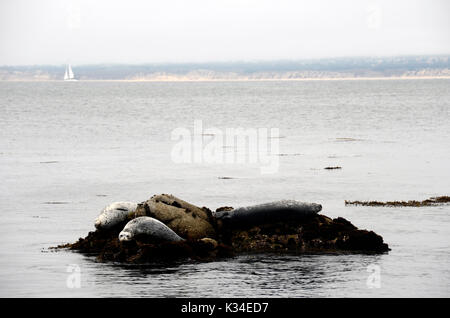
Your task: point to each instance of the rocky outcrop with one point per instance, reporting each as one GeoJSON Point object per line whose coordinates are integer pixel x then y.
{"type": "Point", "coordinates": [208, 238]}
{"type": "Point", "coordinates": [106, 246]}
{"type": "Point", "coordinates": [319, 233]}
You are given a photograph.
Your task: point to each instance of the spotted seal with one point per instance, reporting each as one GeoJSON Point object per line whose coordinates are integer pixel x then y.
{"type": "Point", "coordinates": [114, 214]}
{"type": "Point", "coordinates": [150, 228]}
{"type": "Point", "coordinates": [187, 220]}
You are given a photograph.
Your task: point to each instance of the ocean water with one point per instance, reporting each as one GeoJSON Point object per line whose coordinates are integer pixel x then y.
{"type": "Point", "coordinates": [69, 149]}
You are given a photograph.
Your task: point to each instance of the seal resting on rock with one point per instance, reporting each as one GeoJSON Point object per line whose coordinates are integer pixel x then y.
{"type": "Point", "coordinates": [114, 214]}
{"type": "Point", "coordinates": [187, 220]}
{"type": "Point", "coordinates": [283, 226]}
{"type": "Point", "coordinates": [267, 213]}
{"type": "Point", "coordinates": [149, 228]}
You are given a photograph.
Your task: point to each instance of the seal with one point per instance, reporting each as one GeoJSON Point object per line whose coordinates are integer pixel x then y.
{"type": "Point", "coordinates": [267, 213]}
{"type": "Point", "coordinates": [187, 220]}
{"type": "Point", "coordinates": [150, 228]}
{"type": "Point", "coordinates": [114, 214]}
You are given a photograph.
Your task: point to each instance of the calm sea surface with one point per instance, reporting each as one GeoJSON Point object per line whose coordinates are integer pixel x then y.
{"type": "Point", "coordinates": [69, 149]}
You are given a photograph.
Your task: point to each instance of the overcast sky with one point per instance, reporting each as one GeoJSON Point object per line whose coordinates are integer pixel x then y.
{"type": "Point", "coordinates": [131, 31]}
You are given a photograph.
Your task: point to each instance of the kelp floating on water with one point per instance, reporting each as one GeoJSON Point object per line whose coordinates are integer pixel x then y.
{"type": "Point", "coordinates": [412, 203]}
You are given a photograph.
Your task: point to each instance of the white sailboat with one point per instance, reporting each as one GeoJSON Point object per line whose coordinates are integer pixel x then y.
{"type": "Point", "coordinates": [68, 75]}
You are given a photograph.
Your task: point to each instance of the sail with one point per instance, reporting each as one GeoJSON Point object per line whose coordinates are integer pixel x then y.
{"type": "Point", "coordinates": [71, 76]}
{"type": "Point", "coordinates": [66, 75]}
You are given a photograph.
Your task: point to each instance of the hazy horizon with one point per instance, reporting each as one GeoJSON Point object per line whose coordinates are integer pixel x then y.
{"type": "Point", "coordinates": [241, 61]}
{"type": "Point", "coordinates": [54, 32]}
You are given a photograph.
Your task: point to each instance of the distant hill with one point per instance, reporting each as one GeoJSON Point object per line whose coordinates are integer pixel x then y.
{"type": "Point", "coordinates": [363, 67]}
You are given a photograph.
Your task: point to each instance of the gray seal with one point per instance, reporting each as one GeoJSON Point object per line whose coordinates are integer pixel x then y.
{"type": "Point", "coordinates": [150, 228]}
{"type": "Point", "coordinates": [267, 213]}
{"type": "Point", "coordinates": [114, 214]}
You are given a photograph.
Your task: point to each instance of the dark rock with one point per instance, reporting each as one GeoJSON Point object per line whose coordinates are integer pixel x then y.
{"type": "Point", "coordinates": [315, 233]}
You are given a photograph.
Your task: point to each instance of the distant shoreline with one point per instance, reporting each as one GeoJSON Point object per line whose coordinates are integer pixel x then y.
{"type": "Point", "coordinates": [328, 69]}
{"type": "Point", "coordinates": [240, 80]}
